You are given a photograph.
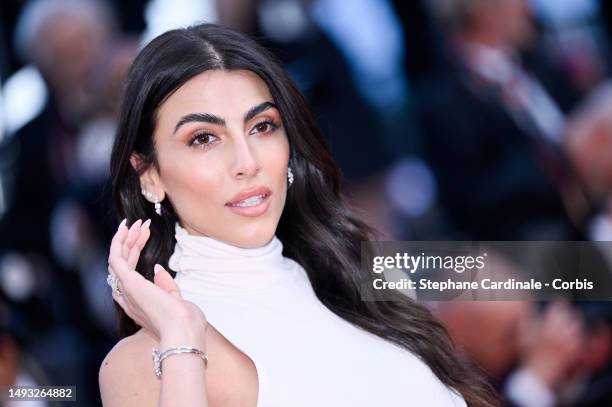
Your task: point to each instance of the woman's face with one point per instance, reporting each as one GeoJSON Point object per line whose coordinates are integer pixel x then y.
{"type": "Point", "coordinates": [217, 136]}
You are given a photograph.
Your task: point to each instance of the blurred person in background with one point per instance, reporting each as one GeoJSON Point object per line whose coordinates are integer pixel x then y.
{"type": "Point", "coordinates": [531, 356]}
{"type": "Point", "coordinates": [52, 244]}
{"type": "Point", "coordinates": [589, 144]}
{"type": "Point", "coordinates": [495, 135]}
{"type": "Point", "coordinates": [85, 206]}
{"type": "Point", "coordinates": [540, 354]}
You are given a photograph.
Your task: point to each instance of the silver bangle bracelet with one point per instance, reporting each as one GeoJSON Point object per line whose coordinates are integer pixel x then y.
{"type": "Point", "coordinates": [159, 356]}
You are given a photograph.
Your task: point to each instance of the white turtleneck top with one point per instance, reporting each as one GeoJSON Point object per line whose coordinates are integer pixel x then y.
{"type": "Point", "coordinates": [305, 355]}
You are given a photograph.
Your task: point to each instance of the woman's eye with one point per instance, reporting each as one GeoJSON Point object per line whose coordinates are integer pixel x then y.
{"type": "Point", "coordinates": [264, 127]}
{"type": "Point", "coordinates": [201, 140]}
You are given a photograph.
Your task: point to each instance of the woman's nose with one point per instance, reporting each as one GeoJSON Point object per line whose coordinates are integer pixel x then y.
{"type": "Point", "coordinates": [245, 164]}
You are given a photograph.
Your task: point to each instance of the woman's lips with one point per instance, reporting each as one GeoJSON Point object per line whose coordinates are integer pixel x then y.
{"type": "Point", "coordinates": [253, 206]}
{"type": "Point", "coordinates": [250, 193]}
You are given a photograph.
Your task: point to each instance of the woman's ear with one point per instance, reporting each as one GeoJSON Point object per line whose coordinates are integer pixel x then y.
{"type": "Point", "coordinates": [136, 161]}
{"type": "Point", "coordinates": [149, 178]}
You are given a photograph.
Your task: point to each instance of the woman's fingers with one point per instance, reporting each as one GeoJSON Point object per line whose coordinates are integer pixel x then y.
{"type": "Point", "coordinates": [115, 257]}
{"type": "Point", "coordinates": [127, 244]}
{"type": "Point", "coordinates": [164, 280]}
{"type": "Point", "coordinates": [124, 252]}
{"type": "Point", "coordinates": [132, 237]}
{"type": "Point", "coordinates": [138, 245]}
{"type": "Point", "coordinates": [116, 246]}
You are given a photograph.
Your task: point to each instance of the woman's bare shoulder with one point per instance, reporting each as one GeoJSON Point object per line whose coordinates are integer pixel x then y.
{"type": "Point", "coordinates": [126, 375]}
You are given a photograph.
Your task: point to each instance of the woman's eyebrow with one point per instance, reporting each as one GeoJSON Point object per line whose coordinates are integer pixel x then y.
{"type": "Point", "coordinates": [199, 117]}
{"type": "Point", "coordinates": [255, 110]}
{"type": "Point", "coordinates": [213, 119]}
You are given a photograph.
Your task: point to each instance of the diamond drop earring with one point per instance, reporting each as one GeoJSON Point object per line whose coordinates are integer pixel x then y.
{"type": "Point", "coordinates": [289, 175]}
{"type": "Point", "coordinates": [157, 205]}
{"type": "Point", "coordinates": [155, 200]}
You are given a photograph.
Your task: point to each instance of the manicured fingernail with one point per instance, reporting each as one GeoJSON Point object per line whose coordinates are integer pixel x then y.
{"type": "Point", "coordinates": [137, 223]}
{"type": "Point", "coordinates": [146, 224]}
{"type": "Point", "coordinates": [157, 268]}
{"type": "Point", "coordinates": [122, 223]}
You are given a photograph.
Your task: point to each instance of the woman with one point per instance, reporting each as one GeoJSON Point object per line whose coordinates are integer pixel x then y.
{"type": "Point", "coordinates": [217, 147]}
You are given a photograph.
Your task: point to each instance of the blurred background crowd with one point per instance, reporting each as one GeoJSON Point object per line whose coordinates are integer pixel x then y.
{"type": "Point", "coordinates": [449, 119]}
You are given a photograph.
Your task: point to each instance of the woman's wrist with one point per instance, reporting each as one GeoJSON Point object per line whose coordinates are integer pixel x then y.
{"type": "Point", "coordinates": [184, 335]}
{"type": "Point", "coordinates": [187, 320]}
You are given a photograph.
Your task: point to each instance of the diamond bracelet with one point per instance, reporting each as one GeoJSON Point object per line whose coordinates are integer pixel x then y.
{"type": "Point", "coordinates": [159, 356]}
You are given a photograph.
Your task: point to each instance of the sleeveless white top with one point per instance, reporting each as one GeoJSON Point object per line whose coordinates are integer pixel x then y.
{"type": "Point", "coordinates": [305, 355]}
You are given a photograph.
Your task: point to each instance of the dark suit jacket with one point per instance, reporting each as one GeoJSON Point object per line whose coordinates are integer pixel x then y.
{"type": "Point", "coordinates": [492, 182]}
{"type": "Point", "coordinates": [25, 228]}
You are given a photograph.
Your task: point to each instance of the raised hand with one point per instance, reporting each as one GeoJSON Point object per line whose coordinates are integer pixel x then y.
{"type": "Point", "coordinates": [157, 307]}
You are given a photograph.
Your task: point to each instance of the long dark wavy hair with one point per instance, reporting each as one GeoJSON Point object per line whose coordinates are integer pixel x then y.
{"type": "Point", "coordinates": [317, 228]}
